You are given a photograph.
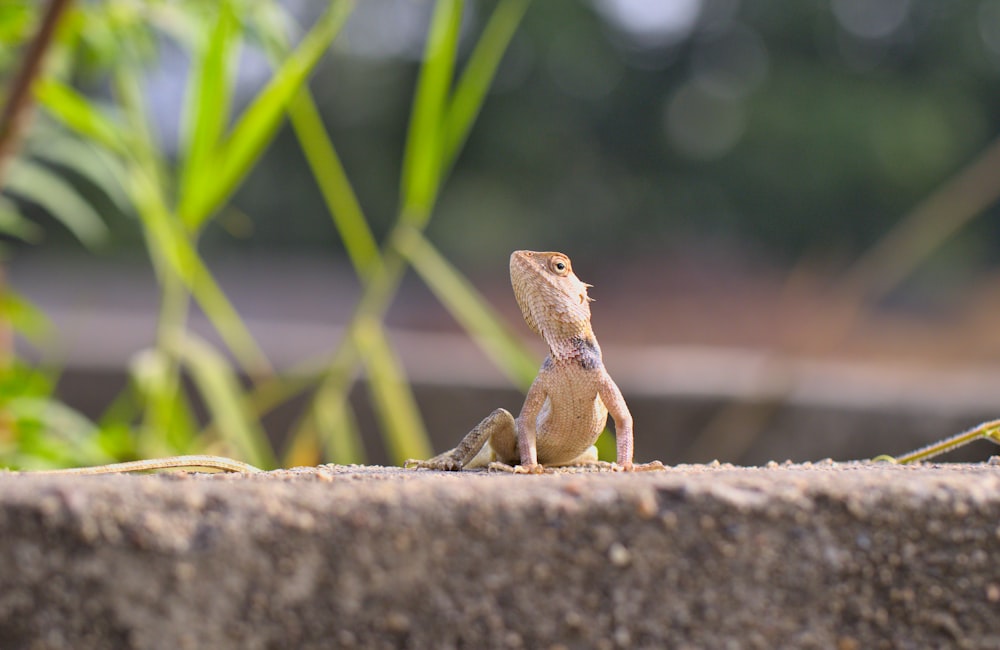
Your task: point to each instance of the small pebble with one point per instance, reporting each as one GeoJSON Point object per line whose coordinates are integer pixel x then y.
{"type": "Point", "coordinates": [619, 555]}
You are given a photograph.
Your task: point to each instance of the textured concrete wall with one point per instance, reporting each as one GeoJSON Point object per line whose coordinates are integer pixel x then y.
{"type": "Point", "coordinates": [814, 556]}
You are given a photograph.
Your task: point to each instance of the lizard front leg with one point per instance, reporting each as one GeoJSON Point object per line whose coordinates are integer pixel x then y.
{"type": "Point", "coordinates": [498, 425]}
{"type": "Point", "coordinates": [527, 433]}
{"type": "Point", "coordinates": [613, 399]}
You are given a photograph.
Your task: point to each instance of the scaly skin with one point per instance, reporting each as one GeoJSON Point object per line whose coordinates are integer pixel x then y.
{"type": "Point", "coordinates": [568, 404]}
{"type": "Point", "coordinates": [220, 463]}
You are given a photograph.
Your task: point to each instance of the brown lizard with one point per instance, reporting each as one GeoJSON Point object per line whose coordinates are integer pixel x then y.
{"type": "Point", "coordinates": [568, 404]}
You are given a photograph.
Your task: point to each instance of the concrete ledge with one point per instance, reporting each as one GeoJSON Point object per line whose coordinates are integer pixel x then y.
{"type": "Point", "coordinates": [802, 556]}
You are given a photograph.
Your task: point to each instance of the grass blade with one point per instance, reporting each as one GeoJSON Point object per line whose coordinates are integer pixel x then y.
{"type": "Point", "coordinates": [476, 78]}
{"type": "Point", "coordinates": [79, 114]}
{"type": "Point", "coordinates": [393, 400]}
{"type": "Point", "coordinates": [168, 426]}
{"type": "Point", "coordinates": [321, 156]}
{"type": "Point", "coordinates": [423, 163]}
{"type": "Point", "coordinates": [41, 186]}
{"type": "Point", "coordinates": [257, 125]}
{"type": "Point", "coordinates": [343, 443]}
{"type": "Point", "coordinates": [467, 307]}
{"type": "Point", "coordinates": [208, 99]}
{"type": "Point", "coordinates": [962, 198]}
{"type": "Point", "coordinates": [305, 448]}
{"type": "Point", "coordinates": [332, 180]}
{"type": "Point", "coordinates": [223, 396]}
{"type": "Point", "coordinates": [422, 156]}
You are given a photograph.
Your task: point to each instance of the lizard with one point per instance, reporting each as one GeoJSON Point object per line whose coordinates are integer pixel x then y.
{"type": "Point", "coordinates": [567, 406]}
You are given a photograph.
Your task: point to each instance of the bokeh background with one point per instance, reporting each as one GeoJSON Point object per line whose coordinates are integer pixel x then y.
{"type": "Point", "coordinates": [788, 211]}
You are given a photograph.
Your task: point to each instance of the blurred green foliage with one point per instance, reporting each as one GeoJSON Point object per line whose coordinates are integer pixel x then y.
{"type": "Point", "coordinates": [809, 127]}
{"type": "Point", "coordinates": [775, 128]}
{"type": "Point", "coordinates": [175, 197]}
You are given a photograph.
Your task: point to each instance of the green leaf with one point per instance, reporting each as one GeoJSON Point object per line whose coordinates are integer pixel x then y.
{"type": "Point", "coordinates": [208, 99]}
{"type": "Point", "coordinates": [117, 440]}
{"type": "Point", "coordinates": [26, 319]}
{"type": "Point", "coordinates": [223, 396]}
{"type": "Point", "coordinates": [19, 379]}
{"type": "Point", "coordinates": [330, 176]}
{"type": "Point", "coordinates": [79, 114]}
{"type": "Point", "coordinates": [49, 433]}
{"type": "Point", "coordinates": [394, 403]}
{"type": "Point", "coordinates": [327, 170]}
{"type": "Point", "coordinates": [94, 163]}
{"type": "Point", "coordinates": [168, 425]}
{"type": "Point", "coordinates": [467, 307]}
{"type": "Point", "coordinates": [14, 224]}
{"type": "Point", "coordinates": [422, 156]}
{"type": "Point", "coordinates": [143, 149]}
{"type": "Point", "coordinates": [15, 23]}
{"type": "Point", "coordinates": [61, 420]}
{"type": "Point", "coordinates": [41, 186]}
{"type": "Point", "coordinates": [259, 122]}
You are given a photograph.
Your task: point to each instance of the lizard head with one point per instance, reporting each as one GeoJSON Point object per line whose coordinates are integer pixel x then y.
{"type": "Point", "coordinates": [553, 301]}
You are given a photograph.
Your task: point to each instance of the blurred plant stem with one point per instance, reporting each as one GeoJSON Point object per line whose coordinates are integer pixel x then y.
{"type": "Point", "coordinates": [440, 120]}
{"type": "Point", "coordinates": [14, 118]}
{"type": "Point", "coordinates": [881, 269]}
{"type": "Point", "coordinates": [962, 198]}
{"type": "Point", "coordinates": [17, 109]}
{"type": "Point", "coordinates": [420, 181]}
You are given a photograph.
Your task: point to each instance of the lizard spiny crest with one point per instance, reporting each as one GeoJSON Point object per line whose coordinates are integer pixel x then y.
{"type": "Point", "coordinates": [553, 301]}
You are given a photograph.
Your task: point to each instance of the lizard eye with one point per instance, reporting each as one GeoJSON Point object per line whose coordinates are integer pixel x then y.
{"type": "Point", "coordinates": [559, 265]}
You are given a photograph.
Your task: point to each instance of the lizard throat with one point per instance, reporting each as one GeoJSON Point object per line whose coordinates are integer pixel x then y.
{"type": "Point", "coordinates": [579, 345]}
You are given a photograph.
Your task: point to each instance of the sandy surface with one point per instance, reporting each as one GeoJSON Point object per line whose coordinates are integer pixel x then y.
{"type": "Point", "coordinates": [795, 556]}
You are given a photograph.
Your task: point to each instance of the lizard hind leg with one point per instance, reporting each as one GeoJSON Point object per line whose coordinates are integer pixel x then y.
{"type": "Point", "coordinates": [476, 449]}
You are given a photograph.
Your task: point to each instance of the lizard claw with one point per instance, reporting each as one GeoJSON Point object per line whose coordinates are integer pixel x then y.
{"type": "Point", "coordinates": [530, 469]}
{"type": "Point", "coordinates": [653, 466]}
